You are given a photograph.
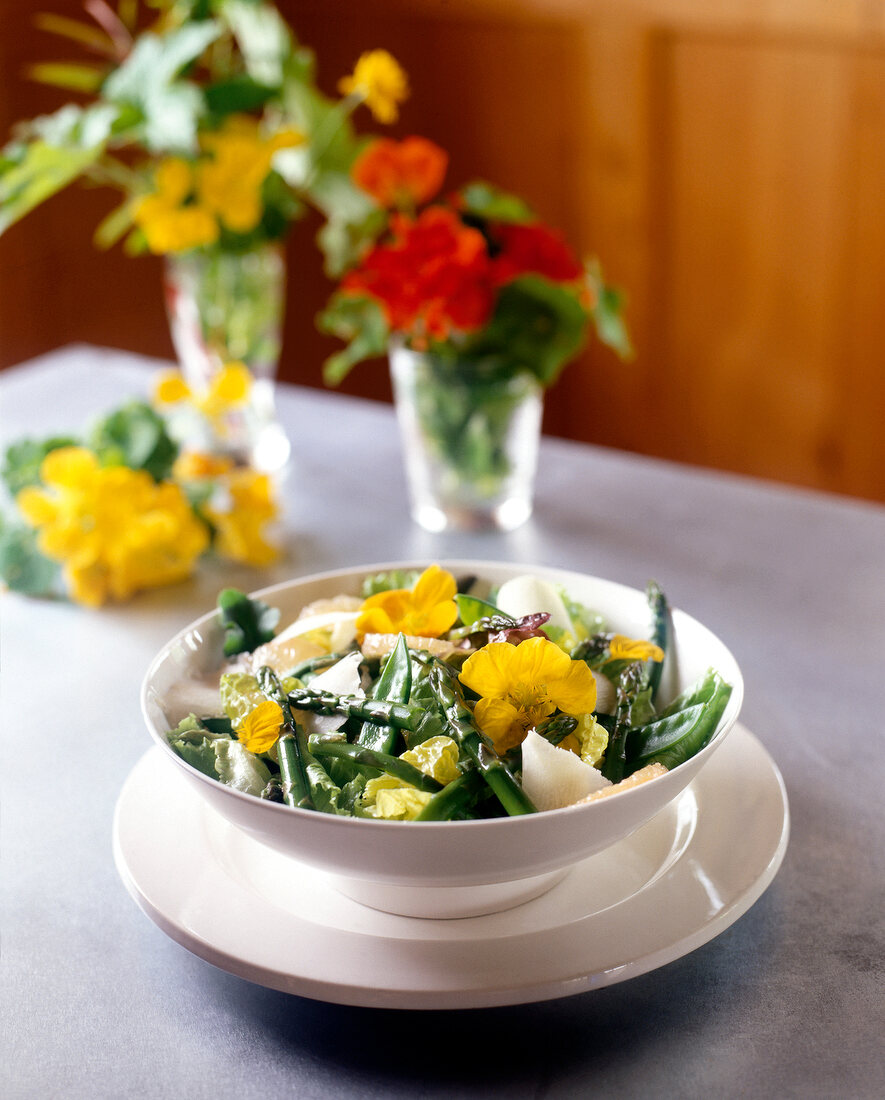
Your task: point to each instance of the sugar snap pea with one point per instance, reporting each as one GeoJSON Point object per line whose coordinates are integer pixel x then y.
{"type": "Point", "coordinates": [394, 685]}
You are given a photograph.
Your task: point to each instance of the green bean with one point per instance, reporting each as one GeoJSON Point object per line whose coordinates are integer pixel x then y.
{"type": "Point", "coordinates": [455, 798]}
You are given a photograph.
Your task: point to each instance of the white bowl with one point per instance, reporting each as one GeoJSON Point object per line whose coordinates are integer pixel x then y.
{"type": "Point", "coordinates": [444, 868]}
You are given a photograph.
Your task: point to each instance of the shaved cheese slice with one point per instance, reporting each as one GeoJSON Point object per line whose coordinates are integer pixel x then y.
{"type": "Point", "coordinates": [554, 777]}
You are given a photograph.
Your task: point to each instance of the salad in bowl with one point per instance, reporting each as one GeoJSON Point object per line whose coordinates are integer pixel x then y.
{"type": "Point", "coordinates": [451, 724]}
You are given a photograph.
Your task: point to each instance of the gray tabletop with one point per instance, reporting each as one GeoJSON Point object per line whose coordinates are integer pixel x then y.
{"type": "Point", "coordinates": [98, 1002]}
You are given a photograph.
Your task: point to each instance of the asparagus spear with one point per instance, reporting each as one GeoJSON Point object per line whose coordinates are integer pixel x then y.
{"type": "Point", "coordinates": [376, 760]}
{"type": "Point", "coordinates": [660, 633]}
{"type": "Point", "coordinates": [495, 772]}
{"type": "Point", "coordinates": [401, 715]}
{"type": "Point", "coordinates": [629, 684]}
{"type": "Point", "coordinates": [557, 728]}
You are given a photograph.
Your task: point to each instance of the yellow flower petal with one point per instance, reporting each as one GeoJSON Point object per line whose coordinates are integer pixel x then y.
{"type": "Point", "coordinates": [36, 506]}
{"type": "Point", "coordinates": [232, 384]}
{"type": "Point", "coordinates": [199, 466]}
{"type": "Point", "coordinates": [435, 585]}
{"type": "Point", "coordinates": [501, 722]}
{"type": "Point", "coordinates": [523, 684]}
{"type": "Point", "coordinates": [173, 179]}
{"type": "Point", "coordinates": [68, 467]}
{"type": "Point", "coordinates": [381, 82]}
{"type": "Point", "coordinates": [260, 729]}
{"type": "Point", "coordinates": [623, 648]}
{"type": "Point", "coordinates": [574, 693]}
{"type": "Point", "coordinates": [170, 388]}
{"type": "Point", "coordinates": [429, 609]}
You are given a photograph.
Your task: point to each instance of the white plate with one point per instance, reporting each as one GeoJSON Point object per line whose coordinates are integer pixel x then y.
{"type": "Point", "coordinates": [669, 888]}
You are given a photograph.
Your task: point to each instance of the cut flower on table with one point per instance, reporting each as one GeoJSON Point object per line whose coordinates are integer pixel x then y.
{"type": "Point", "coordinates": [122, 509]}
{"type": "Point", "coordinates": [448, 724]}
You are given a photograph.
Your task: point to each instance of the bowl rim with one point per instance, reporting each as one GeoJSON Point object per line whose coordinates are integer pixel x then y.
{"type": "Point", "coordinates": [726, 723]}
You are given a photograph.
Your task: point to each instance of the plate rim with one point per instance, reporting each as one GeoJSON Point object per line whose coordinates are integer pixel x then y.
{"type": "Point", "coordinates": [355, 993]}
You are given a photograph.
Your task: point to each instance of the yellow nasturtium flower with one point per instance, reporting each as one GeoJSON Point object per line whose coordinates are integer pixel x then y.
{"type": "Point", "coordinates": [169, 219]}
{"type": "Point", "coordinates": [522, 685]}
{"type": "Point", "coordinates": [200, 466]}
{"type": "Point", "coordinates": [427, 610]}
{"type": "Point", "coordinates": [622, 648]}
{"type": "Point", "coordinates": [228, 389]}
{"type": "Point", "coordinates": [381, 82]}
{"type": "Point", "coordinates": [260, 729]}
{"type": "Point", "coordinates": [114, 530]}
{"type": "Point", "coordinates": [229, 182]}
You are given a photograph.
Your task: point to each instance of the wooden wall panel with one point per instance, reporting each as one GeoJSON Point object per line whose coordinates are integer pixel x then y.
{"type": "Point", "coordinates": [725, 160]}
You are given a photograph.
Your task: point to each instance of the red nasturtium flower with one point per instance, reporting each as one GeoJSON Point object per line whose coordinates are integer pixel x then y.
{"type": "Point", "coordinates": [433, 277]}
{"type": "Point", "coordinates": [532, 249]}
{"type": "Point", "coordinates": [400, 173]}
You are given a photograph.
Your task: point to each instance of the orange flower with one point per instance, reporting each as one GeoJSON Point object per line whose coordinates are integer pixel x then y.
{"type": "Point", "coordinates": [400, 173]}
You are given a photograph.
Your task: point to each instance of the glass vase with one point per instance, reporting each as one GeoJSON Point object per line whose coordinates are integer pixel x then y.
{"type": "Point", "coordinates": [470, 441]}
{"type": "Point", "coordinates": [227, 307]}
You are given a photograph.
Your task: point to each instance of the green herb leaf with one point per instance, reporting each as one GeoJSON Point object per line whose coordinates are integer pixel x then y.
{"type": "Point", "coordinates": [41, 171]}
{"type": "Point", "coordinates": [135, 436]}
{"type": "Point", "coordinates": [362, 322]}
{"type": "Point", "coordinates": [22, 567]}
{"type": "Point", "coordinates": [538, 326]}
{"type": "Point", "coordinates": [391, 578]}
{"type": "Point", "coordinates": [239, 93]}
{"type": "Point", "coordinates": [247, 623]}
{"type": "Point", "coordinates": [148, 81]}
{"type": "Point", "coordinates": [22, 461]}
{"type": "Point", "coordinates": [490, 203]}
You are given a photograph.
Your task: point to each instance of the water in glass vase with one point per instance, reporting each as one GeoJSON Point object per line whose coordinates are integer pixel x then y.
{"type": "Point", "coordinates": [470, 441]}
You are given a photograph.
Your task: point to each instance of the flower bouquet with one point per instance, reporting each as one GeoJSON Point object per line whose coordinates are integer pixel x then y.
{"type": "Point", "coordinates": [205, 116]}
{"type": "Point", "coordinates": [480, 307]}
{"type": "Point", "coordinates": [122, 509]}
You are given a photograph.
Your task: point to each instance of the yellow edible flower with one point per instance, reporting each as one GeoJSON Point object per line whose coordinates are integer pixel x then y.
{"type": "Point", "coordinates": [114, 529]}
{"type": "Point", "coordinates": [240, 527]}
{"type": "Point", "coordinates": [229, 184]}
{"type": "Point", "coordinates": [169, 221]}
{"type": "Point", "coordinates": [381, 82]}
{"type": "Point", "coordinates": [260, 729]}
{"type": "Point", "coordinates": [428, 609]}
{"type": "Point", "coordinates": [522, 685]}
{"type": "Point", "coordinates": [199, 466]}
{"type": "Point", "coordinates": [622, 648]}
{"type": "Point", "coordinates": [228, 389]}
